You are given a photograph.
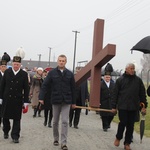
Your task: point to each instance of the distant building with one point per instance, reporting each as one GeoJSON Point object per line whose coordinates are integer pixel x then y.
{"type": "Point", "coordinates": [30, 64]}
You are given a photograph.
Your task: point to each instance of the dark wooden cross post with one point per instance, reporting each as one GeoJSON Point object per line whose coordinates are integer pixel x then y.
{"type": "Point", "coordinates": [100, 57]}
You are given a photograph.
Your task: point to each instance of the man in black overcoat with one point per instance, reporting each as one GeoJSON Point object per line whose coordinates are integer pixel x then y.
{"type": "Point", "coordinates": [107, 86]}
{"type": "Point", "coordinates": [3, 67]}
{"type": "Point", "coordinates": [82, 97]}
{"type": "Point", "coordinates": [14, 91]}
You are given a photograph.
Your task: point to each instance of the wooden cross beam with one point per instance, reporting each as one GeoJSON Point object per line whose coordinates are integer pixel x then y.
{"type": "Point", "coordinates": [100, 57]}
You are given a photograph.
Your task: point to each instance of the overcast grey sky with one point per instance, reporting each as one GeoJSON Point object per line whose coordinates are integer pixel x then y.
{"type": "Point", "coordinates": [38, 24]}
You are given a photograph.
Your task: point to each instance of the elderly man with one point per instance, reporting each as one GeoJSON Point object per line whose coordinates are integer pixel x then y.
{"type": "Point", "coordinates": [129, 92]}
{"type": "Point", "coordinates": [14, 91]}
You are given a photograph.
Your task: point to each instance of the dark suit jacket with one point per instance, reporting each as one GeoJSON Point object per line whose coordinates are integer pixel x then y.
{"type": "Point", "coordinates": [106, 97]}
{"type": "Point", "coordinates": [82, 94]}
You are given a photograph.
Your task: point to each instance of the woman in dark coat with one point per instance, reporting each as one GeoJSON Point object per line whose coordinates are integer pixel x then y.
{"type": "Point", "coordinates": [107, 86]}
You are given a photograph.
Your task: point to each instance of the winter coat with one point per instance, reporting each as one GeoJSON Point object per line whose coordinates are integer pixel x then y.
{"type": "Point", "coordinates": [129, 91]}
{"type": "Point", "coordinates": [35, 89]}
{"type": "Point", "coordinates": [0, 84]}
{"type": "Point", "coordinates": [106, 94]}
{"type": "Point", "coordinates": [62, 86]}
{"type": "Point", "coordinates": [14, 91]}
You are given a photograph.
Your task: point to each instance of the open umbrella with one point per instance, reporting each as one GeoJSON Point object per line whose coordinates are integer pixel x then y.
{"type": "Point", "coordinates": [142, 123]}
{"type": "Point", "coordinates": [143, 45]}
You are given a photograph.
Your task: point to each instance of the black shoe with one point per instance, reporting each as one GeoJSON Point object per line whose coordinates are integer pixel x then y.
{"type": "Point", "coordinates": [15, 140]}
{"type": "Point", "coordinates": [45, 123]}
{"type": "Point", "coordinates": [105, 130]}
{"type": "Point", "coordinates": [49, 125]}
{"type": "Point", "coordinates": [55, 143]}
{"type": "Point", "coordinates": [6, 136]}
{"type": "Point", "coordinates": [39, 115]}
{"type": "Point", "coordinates": [70, 124]}
{"type": "Point", "coordinates": [34, 116]}
{"type": "Point", "coordinates": [76, 127]}
{"type": "Point", "coordinates": [64, 147]}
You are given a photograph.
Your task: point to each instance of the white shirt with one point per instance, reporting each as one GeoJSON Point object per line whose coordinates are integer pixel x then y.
{"type": "Point", "coordinates": [15, 72]}
{"type": "Point", "coordinates": [107, 83]}
{"type": "Point", "coordinates": [2, 72]}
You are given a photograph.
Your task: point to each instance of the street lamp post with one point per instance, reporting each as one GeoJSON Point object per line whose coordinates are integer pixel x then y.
{"type": "Point", "coordinates": [49, 55]}
{"type": "Point", "coordinates": [75, 49]}
{"type": "Point", "coordinates": [39, 60]}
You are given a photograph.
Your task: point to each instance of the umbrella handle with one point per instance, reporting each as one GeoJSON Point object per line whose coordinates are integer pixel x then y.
{"type": "Point", "coordinates": [142, 105]}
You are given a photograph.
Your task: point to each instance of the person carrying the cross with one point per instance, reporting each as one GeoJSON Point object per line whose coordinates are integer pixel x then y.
{"type": "Point", "coordinates": [128, 93]}
{"type": "Point", "coordinates": [61, 83]}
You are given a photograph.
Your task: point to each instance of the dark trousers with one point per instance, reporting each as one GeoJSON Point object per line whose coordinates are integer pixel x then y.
{"type": "Point", "coordinates": [0, 121]}
{"type": "Point", "coordinates": [15, 132]}
{"type": "Point", "coordinates": [106, 121]}
{"type": "Point", "coordinates": [127, 119]}
{"type": "Point", "coordinates": [46, 114]}
{"type": "Point", "coordinates": [74, 116]}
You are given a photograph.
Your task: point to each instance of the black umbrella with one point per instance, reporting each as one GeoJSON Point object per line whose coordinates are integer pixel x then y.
{"type": "Point", "coordinates": [143, 45]}
{"type": "Point", "coordinates": [142, 123]}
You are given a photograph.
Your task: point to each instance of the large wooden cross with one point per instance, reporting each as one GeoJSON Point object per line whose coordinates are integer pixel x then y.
{"type": "Point", "coordinates": [100, 57]}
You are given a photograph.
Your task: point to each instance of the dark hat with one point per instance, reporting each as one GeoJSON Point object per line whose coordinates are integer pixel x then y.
{"type": "Point", "coordinates": [6, 57]}
{"type": "Point", "coordinates": [3, 62]}
{"type": "Point", "coordinates": [107, 73]}
{"type": "Point", "coordinates": [17, 59]}
{"type": "Point", "coordinates": [108, 69]}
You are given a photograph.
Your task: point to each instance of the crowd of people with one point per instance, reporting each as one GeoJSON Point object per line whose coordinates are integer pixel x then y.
{"type": "Point", "coordinates": [56, 93]}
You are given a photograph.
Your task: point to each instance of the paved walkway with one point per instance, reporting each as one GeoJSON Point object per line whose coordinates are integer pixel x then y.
{"type": "Point", "coordinates": [89, 136]}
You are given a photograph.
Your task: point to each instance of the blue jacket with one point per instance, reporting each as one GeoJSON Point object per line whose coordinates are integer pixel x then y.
{"type": "Point", "coordinates": [61, 85]}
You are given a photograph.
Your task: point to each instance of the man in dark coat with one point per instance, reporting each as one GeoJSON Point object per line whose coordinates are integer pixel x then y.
{"type": "Point", "coordinates": [3, 67]}
{"type": "Point", "coordinates": [61, 82]}
{"type": "Point", "coordinates": [82, 97]}
{"type": "Point", "coordinates": [14, 91]}
{"type": "Point", "coordinates": [128, 93]}
{"type": "Point", "coordinates": [107, 86]}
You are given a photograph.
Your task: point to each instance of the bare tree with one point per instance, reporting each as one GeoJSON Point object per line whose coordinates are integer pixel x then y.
{"type": "Point", "coordinates": [145, 73]}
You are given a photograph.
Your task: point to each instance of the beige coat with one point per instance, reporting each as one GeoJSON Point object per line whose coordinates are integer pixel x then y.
{"type": "Point", "coordinates": [35, 89]}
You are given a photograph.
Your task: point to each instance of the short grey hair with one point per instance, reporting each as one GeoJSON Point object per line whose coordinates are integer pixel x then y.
{"type": "Point", "coordinates": [130, 65]}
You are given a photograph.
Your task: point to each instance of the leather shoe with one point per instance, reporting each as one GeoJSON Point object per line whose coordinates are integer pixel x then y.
{"type": "Point", "coordinates": [117, 142]}
{"type": "Point", "coordinates": [15, 140]}
{"type": "Point", "coordinates": [105, 129]}
{"type": "Point", "coordinates": [6, 136]}
{"type": "Point", "coordinates": [49, 125]}
{"type": "Point", "coordinates": [76, 127]}
{"type": "Point", "coordinates": [45, 123]}
{"type": "Point", "coordinates": [70, 124]}
{"type": "Point", "coordinates": [127, 147]}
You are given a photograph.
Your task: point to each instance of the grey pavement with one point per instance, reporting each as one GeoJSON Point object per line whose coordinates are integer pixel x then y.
{"type": "Point", "coordinates": [89, 136]}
